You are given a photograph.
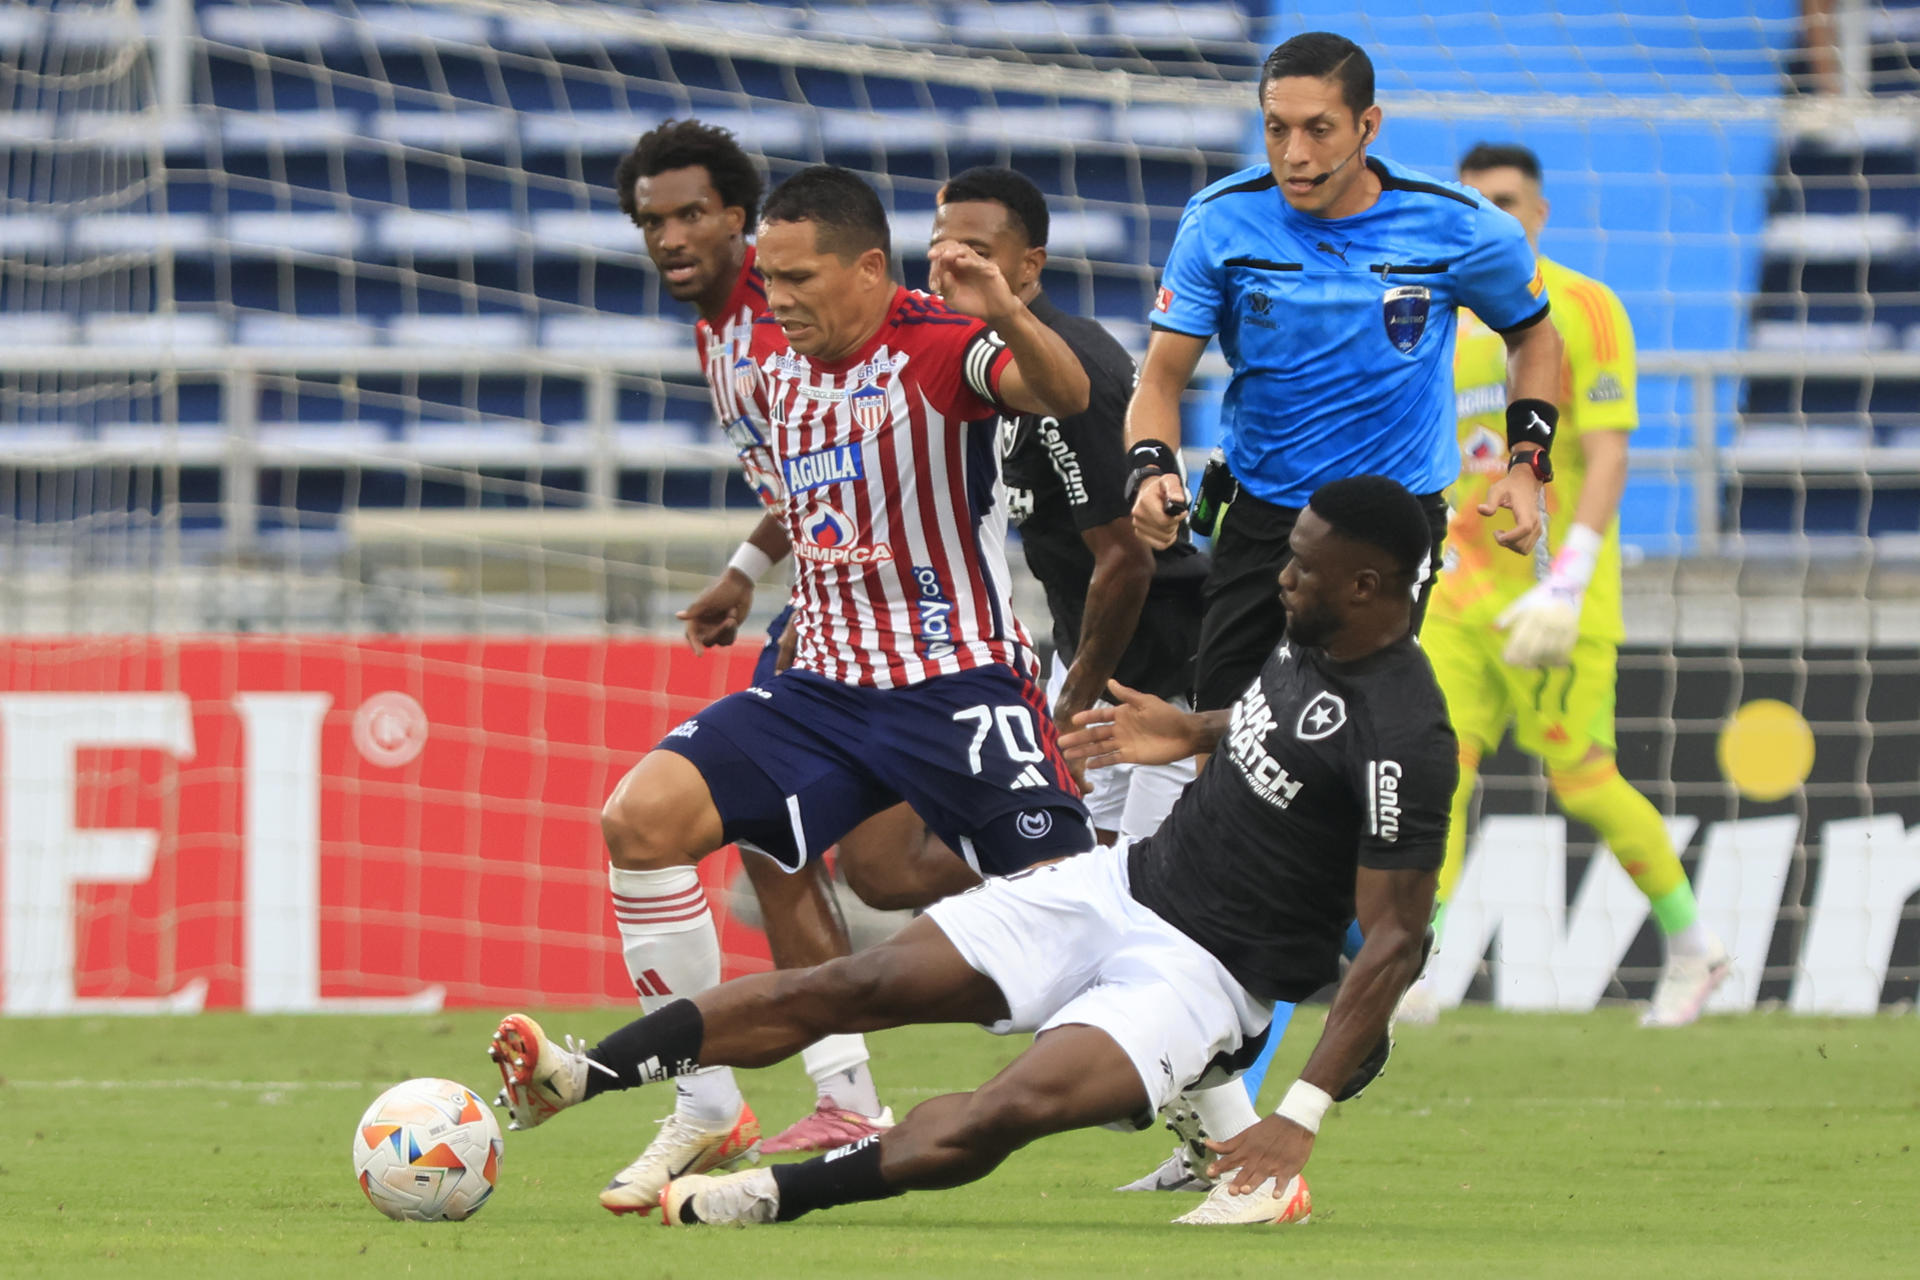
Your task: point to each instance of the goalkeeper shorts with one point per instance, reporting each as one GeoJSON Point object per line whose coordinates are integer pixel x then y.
{"type": "Point", "coordinates": [1557, 715]}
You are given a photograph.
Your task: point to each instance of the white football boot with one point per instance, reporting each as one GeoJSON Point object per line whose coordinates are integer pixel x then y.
{"type": "Point", "coordinates": [540, 1078]}
{"type": "Point", "coordinates": [1293, 1204]}
{"type": "Point", "coordinates": [747, 1199]}
{"type": "Point", "coordinates": [678, 1150]}
{"type": "Point", "coordinates": [1684, 986]}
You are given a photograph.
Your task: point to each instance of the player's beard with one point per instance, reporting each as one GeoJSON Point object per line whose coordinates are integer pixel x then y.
{"type": "Point", "coordinates": [1313, 626]}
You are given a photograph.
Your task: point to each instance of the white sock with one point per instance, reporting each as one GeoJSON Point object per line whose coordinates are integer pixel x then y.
{"type": "Point", "coordinates": [673, 951]}
{"type": "Point", "coordinates": [1224, 1110]}
{"type": "Point", "coordinates": [838, 1065]}
{"type": "Point", "coordinates": [1694, 940]}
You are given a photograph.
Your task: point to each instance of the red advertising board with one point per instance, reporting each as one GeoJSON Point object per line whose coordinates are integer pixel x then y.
{"type": "Point", "coordinates": [303, 822]}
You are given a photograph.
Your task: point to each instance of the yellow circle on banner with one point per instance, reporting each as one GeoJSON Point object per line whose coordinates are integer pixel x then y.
{"type": "Point", "coordinates": [1766, 750]}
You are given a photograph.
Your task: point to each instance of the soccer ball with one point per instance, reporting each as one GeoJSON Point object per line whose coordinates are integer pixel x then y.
{"type": "Point", "coordinates": [427, 1151]}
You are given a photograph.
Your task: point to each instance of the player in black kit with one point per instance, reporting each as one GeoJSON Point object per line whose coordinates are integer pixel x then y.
{"type": "Point", "coordinates": [1142, 967]}
{"type": "Point", "coordinates": [1066, 492]}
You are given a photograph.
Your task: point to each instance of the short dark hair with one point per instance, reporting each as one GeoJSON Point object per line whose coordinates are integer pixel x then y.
{"type": "Point", "coordinates": [1380, 513]}
{"type": "Point", "coordinates": [1322, 55]}
{"type": "Point", "coordinates": [686, 144]}
{"type": "Point", "coordinates": [847, 214]}
{"type": "Point", "coordinates": [1013, 191]}
{"type": "Point", "coordinates": [1501, 155]}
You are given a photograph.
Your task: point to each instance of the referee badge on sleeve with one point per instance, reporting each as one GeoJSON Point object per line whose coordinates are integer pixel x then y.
{"type": "Point", "coordinates": [1404, 310]}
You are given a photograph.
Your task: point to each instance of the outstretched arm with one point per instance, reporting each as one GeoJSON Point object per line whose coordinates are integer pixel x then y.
{"type": "Point", "coordinates": [1393, 907]}
{"type": "Point", "coordinates": [1141, 729]}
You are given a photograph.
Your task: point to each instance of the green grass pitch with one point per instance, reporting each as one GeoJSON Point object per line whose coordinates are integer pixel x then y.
{"type": "Point", "coordinates": [1497, 1145]}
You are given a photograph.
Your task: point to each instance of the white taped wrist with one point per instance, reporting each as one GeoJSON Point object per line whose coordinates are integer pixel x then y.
{"type": "Point", "coordinates": [1305, 1104]}
{"type": "Point", "coordinates": [1573, 565]}
{"type": "Point", "coordinates": [750, 560]}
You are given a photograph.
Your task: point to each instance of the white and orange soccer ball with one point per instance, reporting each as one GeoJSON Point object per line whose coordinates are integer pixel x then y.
{"type": "Point", "coordinates": [427, 1151]}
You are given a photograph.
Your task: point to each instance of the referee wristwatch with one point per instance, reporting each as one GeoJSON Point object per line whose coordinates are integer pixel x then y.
{"type": "Point", "coordinates": [1536, 461]}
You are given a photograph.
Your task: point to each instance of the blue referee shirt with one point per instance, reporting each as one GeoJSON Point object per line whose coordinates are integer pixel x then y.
{"type": "Point", "coordinates": [1340, 331]}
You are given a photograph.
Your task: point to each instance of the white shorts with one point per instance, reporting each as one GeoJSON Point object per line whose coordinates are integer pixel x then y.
{"type": "Point", "coordinates": [1131, 799]}
{"type": "Point", "coordinates": [1068, 945]}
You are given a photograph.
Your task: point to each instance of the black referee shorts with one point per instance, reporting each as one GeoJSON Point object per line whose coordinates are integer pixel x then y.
{"type": "Point", "coordinates": [1244, 618]}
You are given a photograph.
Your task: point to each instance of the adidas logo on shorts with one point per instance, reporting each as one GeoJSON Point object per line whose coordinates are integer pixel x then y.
{"type": "Point", "coordinates": [1029, 777]}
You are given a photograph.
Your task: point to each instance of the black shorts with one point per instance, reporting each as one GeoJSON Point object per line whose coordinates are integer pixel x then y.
{"type": "Point", "coordinates": [1244, 618]}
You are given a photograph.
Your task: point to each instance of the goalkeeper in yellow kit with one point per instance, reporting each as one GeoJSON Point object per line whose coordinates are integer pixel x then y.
{"type": "Point", "coordinates": [1532, 643]}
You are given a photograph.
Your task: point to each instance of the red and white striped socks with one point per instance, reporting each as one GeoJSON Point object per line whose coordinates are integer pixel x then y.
{"type": "Point", "coordinates": [672, 952]}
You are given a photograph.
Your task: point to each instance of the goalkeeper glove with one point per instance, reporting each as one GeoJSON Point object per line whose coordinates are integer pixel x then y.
{"type": "Point", "coordinates": [1543, 624]}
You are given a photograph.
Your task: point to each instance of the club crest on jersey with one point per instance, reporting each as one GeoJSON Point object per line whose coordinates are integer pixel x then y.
{"type": "Point", "coordinates": [1405, 311]}
{"type": "Point", "coordinates": [1321, 717]}
{"type": "Point", "coordinates": [869, 404]}
{"type": "Point", "coordinates": [745, 378]}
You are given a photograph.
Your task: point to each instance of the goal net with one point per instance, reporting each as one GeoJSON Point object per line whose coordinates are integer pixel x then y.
{"type": "Point", "coordinates": [359, 461]}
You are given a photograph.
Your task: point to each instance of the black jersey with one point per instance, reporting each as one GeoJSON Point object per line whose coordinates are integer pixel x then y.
{"type": "Point", "coordinates": [1066, 475]}
{"type": "Point", "coordinates": [1326, 767]}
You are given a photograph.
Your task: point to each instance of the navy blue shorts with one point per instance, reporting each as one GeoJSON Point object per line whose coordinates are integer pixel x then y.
{"type": "Point", "coordinates": [770, 652]}
{"type": "Point", "coordinates": [797, 761]}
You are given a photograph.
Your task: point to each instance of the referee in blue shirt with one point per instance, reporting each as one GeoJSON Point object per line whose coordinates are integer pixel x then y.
{"type": "Point", "coordinates": [1331, 279]}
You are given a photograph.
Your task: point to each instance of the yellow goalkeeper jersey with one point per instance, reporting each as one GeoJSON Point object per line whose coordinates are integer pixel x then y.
{"type": "Point", "coordinates": [1480, 577]}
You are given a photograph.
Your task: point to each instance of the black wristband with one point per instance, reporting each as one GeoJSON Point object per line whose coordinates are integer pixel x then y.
{"type": "Point", "coordinates": [1531, 422]}
{"type": "Point", "coordinates": [1146, 459]}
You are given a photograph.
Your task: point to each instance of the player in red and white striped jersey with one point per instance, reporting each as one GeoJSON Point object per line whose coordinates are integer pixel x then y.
{"type": "Point", "coordinates": [693, 193]}
{"type": "Point", "coordinates": [914, 681]}
{"type": "Point", "coordinates": [896, 512]}
{"type": "Point", "coordinates": [722, 343]}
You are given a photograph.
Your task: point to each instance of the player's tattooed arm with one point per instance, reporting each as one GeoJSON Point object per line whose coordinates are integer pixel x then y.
{"type": "Point", "coordinates": [1141, 729]}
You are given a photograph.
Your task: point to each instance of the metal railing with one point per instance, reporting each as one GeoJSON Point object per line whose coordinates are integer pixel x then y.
{"type": "Point", "coordinates": [240, 454]}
